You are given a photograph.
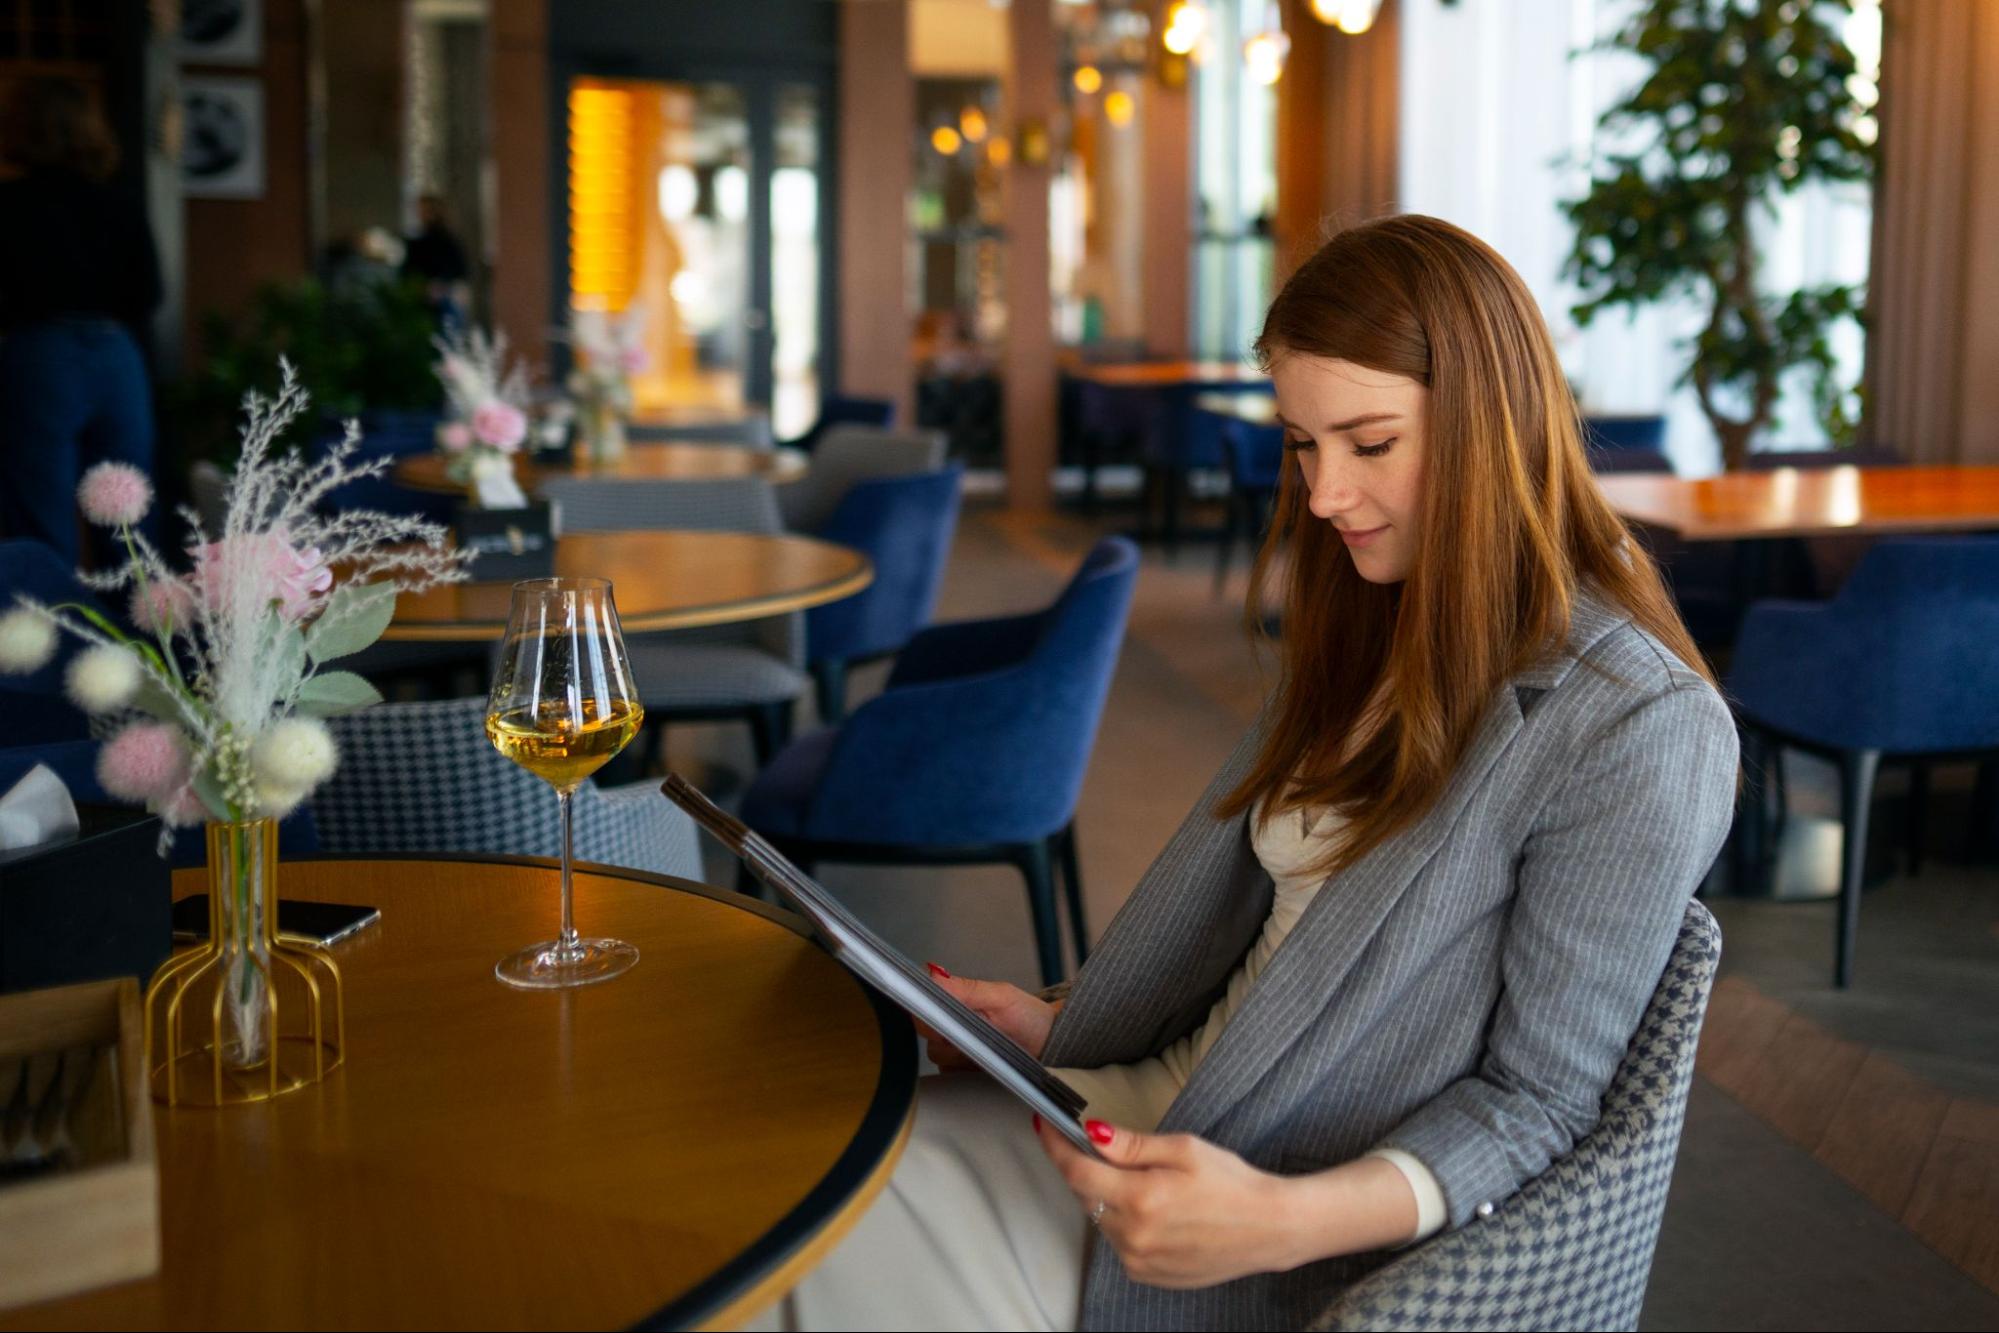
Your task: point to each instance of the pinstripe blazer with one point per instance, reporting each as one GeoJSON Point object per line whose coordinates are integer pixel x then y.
{"type": "Point", "coordinates": [1464, 992]}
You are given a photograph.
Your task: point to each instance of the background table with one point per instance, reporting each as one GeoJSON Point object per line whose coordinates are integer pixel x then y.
{"type": "Point", "coordinates": [661, 579]}
{"type": "Point", "coordinates": [677, 1145]}
{"type": "Point", "coordinates": [642, 462]}
{"type": "Point", "coordinates": [1815, 502]}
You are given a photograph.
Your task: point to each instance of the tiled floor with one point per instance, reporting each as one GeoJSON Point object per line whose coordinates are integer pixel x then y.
{"type": "Point", "coordinates": [1840, 1166]}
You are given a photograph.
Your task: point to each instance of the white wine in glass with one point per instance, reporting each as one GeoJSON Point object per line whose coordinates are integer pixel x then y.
{"type": "Point", "coordinates": [562, 705]}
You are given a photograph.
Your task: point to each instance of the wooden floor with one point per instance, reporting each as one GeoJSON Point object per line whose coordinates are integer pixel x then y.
{"type": "Point", "coordinates": [1840, 1167]}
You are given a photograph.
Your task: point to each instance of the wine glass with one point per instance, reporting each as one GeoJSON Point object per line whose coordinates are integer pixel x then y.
{"type": "Point", "coordinates": [562, 704]}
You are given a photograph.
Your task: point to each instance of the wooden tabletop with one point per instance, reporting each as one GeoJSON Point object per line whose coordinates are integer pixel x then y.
{"type": "Point", "coordinates": [1171, 374]}
{"type": "Point", "coordinates": [1258, 409]}
{"type": "Point", "coordinates": [642, 462]}
{"type": "Point", "coordinates": [661, 580]}
{"type": "Point", "coordinates": [1807, 502]}
{"type": "Point", "coordinates": [677, 1145]}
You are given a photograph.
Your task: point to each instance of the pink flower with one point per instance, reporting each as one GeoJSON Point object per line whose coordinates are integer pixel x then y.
{"type": "Point", "coordinates": [147, 761]}
{"type": "Point", "coordinates": [163, 606]}
{"type": "Point", "coordinates": [116, 495]}
{"type": "Point", "coordinates": [501, 425]}
{"type": "Point", "coordinates": [185, 809]}
{"type": "Point", "coordinates": [280, 572]}
{"type": "Point", "coordinates": [633, 359]}
{"type": "Point", "coordinates": [454, 437]}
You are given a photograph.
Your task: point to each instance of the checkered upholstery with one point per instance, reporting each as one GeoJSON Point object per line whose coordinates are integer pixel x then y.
{"type": "Point", "coordinates": [850, 454]}
{"type": "Point", "coordinates": [1573, 1248]}
{"type": "Point", "coordinates": [760, 661]}
{"type": "Point", "coordinates": [422, 777]}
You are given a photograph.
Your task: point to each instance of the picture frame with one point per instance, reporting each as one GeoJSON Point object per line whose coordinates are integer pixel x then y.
{"type": "Point", "coordinates": [222, 138]}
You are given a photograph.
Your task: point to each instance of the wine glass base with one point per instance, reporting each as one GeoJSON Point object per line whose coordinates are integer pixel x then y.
{"type": "Point", "coordinates": [543, 966]}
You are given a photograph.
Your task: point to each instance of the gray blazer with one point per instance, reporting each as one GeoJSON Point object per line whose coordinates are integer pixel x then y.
{"type": "Point", "coordinates": [1464, 992]}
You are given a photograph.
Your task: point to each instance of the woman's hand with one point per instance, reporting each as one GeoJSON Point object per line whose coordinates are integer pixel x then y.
{"type": "Point", "coordinates": [1023, 1017]}
{"type": "Point", "coordinates": [1180, 1211]}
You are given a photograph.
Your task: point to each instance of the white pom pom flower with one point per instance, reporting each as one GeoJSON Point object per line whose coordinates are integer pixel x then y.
{"type": "Point", "coordinates": [104, 678]}
{"type": "Point", "coordinates": [294, 756]}
{"type": "Point", "coordinates": [27, 641]}
{"type": "Point", "coordinates": [275, 802]}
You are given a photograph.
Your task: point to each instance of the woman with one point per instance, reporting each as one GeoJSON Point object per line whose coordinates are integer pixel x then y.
{"type": "Point", "coordinates": [78, 275]}
{"type": "Point", "coordinates": [1492, 773]}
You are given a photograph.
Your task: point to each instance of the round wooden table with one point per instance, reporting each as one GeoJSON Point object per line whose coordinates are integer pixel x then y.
{"type": "Point", "coordinates": [676, 1146]}
{"type": "Point", "coordinates": [642, 462]}
{"type": "Point", "coordinates": [661, 579]}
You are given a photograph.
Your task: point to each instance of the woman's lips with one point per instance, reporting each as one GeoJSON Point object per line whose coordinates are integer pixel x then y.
{"type": "Point", "coordinates": [1363, 537]}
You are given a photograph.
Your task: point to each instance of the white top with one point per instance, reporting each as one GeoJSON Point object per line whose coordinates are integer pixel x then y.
{"type": "Point", "coordinates": [1136, 1095]}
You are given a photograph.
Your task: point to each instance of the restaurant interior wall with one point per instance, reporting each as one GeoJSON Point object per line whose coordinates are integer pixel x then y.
{"type": "Point", "coordinates": [701, 56]}
{"type": "Point", "coordinates": [1498, 112]}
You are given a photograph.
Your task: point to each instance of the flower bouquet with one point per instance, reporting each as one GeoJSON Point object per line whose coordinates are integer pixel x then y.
{"type": "Point", "coordinates": [488, 421]}
{"type": "Point", "coordinates": [610, 349]}
{"type": "Point", "coordinates": [211, 712]}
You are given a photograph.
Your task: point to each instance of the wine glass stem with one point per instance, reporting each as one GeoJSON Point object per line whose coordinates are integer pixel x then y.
{"type": "Point", "coordinates": [567, 946]}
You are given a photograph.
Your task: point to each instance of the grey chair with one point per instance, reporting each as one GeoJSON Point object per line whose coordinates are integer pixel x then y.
{"type": "Point", "coordinates": [753, 671]}
{"type": "Point", "coordinates": [1573, 1248]}
{"type": "Point", "coordinates": [422, 777]}
{"type": "Point", "coordinates": [846, 455]}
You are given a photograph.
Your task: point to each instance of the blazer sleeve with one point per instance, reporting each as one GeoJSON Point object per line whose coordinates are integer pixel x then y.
{"type": "Point", "coordinates": [1601, 886]}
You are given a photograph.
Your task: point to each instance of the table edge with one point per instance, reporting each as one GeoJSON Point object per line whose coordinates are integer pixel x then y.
{"type": "Point", "coordinates": [722, 613]}
{"type": "Point", "coordinates": [775, 1261]}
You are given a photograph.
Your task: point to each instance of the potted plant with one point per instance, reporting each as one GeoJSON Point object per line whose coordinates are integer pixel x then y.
{"type": "Point", "coordinates": [1740, 105]}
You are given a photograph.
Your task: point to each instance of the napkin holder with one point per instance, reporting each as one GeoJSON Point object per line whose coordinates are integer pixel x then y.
{"type": "Point", "coordinates": [508, 544]}
{"type": "Point", "coordinates": [92, 905]}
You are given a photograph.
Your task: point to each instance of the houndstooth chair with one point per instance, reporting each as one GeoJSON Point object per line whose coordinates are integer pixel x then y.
{"type": "Point", "coordinates": [752, 671]}
{"type": "Point", "coordinates": [1573, 1248]}
{"type": "Point", "coordinates": [850, 454]}
{"type": "Point", "coordinates": [422, 777]}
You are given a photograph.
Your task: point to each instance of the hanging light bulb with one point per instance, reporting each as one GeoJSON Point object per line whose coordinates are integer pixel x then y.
{"type": "Point", "coordinates": [972, 124]}
{"type": "Point", "coordinates": [1119, 108]}
{"type": "Point", "coordinates": [1186, 21]}
{"type": "Point", "coordinates": [945, 140]}
{"type": "Point", "coordinates": [1264, 53]}
{"type": "Point", "coordinates": [1088, 79]}
{"type": "Point", "coordinates": [1352, 17]}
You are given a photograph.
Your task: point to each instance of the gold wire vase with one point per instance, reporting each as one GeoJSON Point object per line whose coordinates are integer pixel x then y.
{"type": "Point", "coordinates": [251, 1013]}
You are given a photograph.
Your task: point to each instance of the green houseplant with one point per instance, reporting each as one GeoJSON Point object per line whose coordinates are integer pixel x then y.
{"type": "Point", "coordinates": [356, 348]}
{"type": "Point", "coordinates": [1741, 103]}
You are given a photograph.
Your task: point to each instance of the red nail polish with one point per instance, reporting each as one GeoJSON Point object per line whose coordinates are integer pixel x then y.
{"type": "Point", "coordinates": [937, 971]}
{"type": "Point", "coordinates": [1037, 1122]}
{"type": "Point", "coordinates": [1100, 1133]}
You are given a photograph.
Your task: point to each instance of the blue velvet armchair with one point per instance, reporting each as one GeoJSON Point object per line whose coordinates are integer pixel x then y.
{"type": "Point", "coordinates": [1254, 457]}
{"type": "Point", "coordinates": [905, 526]}
{"type": "Point", "coordinates": [1902, 664]}
{"type": "Point", "coordinates": [974, 753]}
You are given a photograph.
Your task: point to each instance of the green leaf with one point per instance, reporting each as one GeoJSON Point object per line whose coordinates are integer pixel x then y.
{"type": "Point", "coordinates": [355, 617]}
{"type": "Point", "coordinates": [331, 693]}
{"type": "Point", "coordinates": [288, 657]}
{"type": "Point", "coordinates": [209, 789]}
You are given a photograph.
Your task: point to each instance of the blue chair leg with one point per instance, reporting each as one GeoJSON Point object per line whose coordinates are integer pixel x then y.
{"type": "Point", "coordinates": [1857, 771]}
{"type": "Point", "coordinates": [1072, 885]}
{"type": "Point", "coordinates": [1035, 865]}
{"type": "Point", "coordinates": [1916, 815]}
{"type": "Point", "coordinates": [770, 730]}
{"type": "Point", "coordinates": [1232, 504]}
{"type": "Point", "coordinates": [830, 683]}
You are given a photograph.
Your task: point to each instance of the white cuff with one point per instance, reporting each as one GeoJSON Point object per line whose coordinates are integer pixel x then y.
{"type": "Point", "coordinates": [1430, 1214]}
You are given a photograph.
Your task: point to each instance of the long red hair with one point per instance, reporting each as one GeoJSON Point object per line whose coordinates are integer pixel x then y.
{"type": "Point", "coordinates": [1513, 525]}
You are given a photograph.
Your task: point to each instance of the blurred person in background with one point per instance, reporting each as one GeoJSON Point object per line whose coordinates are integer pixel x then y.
{"type": "Point", "coordinates": [435, 257]}
{"type": "Point", "coordinates": [79, 277]}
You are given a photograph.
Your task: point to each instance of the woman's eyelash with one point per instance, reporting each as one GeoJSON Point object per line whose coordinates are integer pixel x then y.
{"type": "Point", "coordinates": [1293, 443]}
{"type": "Point", "coordinates": [1374, 450]}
